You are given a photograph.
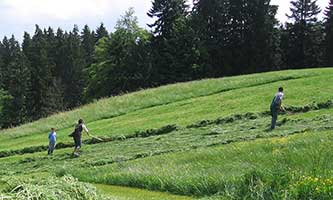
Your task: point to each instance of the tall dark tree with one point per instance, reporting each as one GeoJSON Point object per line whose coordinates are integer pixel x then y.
{"type": "Point", "coordinates": [6, 58]}
{"type": "Point", "coordinates": [73, 76]}
{"type": "Point", "coordinates": [101, 32]}
{"type": "Point", "coordinates": [88, 44]}
{"type": "Point", "coordinates": [235, 36]}
{"type": "Point", "coordinates": [172, 44]}
{"type": "Point", "coordinates": [40, 96]}
{"type": "Point", "coordinates": [304, 35]}
{"type": "Point", "coordinates": [2, 54]}
{"type": "Point", "coordinates": [14, 110]}
{"type": "Point", "coordinates": [210, 19]}
{"type": "Point", "coordinates": [329, 34]}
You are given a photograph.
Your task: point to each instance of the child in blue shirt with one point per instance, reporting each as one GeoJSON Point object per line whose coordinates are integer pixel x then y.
{"type": "Point", "coordinates": [52, 141]}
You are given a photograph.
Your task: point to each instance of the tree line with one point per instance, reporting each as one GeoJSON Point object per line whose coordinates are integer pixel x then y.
{"type": "Point", "coordinates": [53, 71]}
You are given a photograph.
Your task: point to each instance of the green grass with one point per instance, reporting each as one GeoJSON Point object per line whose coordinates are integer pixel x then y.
{"type": "Point", "coordinates": [221, 148]}
{"type": "Point", "coordinates": [124, 193]}
{"type": "Point", "coordinates": [179, 104]}
{"type": "Point", "coordinates": [200, 170]}
{"type": "Point", "coordinates": [50, 188]}
{"type": "Point", "coordinates": [206, 171]}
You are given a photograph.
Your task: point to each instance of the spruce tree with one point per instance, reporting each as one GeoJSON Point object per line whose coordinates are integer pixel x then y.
{"type": "Point", "coordinates": [172, 44]}
{"type": "Point", "coordinates": [101, 32]}
{"type": "Point", "coordinates": [88, 44]}
{"type": "Point", "coordinates": [5, 71]}
{"type": "Point", "coordinates": [40, 94]}
{"type": "Point", "coordinates": [235, 36]}
{"type": "Point", "coordinates": [2, 52]}
{"type": "Point", "coordinates": [73, 76]}
{"type": "Point", "coordinates": [304, 35]}
{"type": "Point", "coordinates": [329, 35]}
{"type": "Point", "coordinates": [14, 110]}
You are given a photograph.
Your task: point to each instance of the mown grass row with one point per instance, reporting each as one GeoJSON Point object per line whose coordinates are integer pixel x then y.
{"type": "Point", "coordinates": [138, 134]}
{"type": "Point", "coordinates": [169, 128]}
{"type": "Point", "coordinates": [137, 111]}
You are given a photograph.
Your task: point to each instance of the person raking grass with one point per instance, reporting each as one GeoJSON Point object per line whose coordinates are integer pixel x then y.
{"type": "Point", "coordinates": [52, 141]}
{"type": "Point", "coordinates": [77, 135]}
{"type": "Point", "coordinates": [276, 107]}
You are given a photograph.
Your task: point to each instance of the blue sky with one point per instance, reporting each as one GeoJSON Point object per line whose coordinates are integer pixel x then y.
{"type": "Point", "coordinates": [17, 16]}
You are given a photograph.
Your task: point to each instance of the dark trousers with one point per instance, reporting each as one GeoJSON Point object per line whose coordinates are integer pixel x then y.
{"type": "Point", "coordinates": [77, 141]}
{"type": "Point", "coordinates": [274, 114]}
{"type": "Point", "coordinates": [51, 147]}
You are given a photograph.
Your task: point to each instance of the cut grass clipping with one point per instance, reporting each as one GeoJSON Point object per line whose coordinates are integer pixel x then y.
{"type": "Point", "coordinates": [50, 188]}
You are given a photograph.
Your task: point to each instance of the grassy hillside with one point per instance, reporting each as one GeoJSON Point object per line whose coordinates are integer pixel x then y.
{"type": "Point", "coordinates": [206, 140]}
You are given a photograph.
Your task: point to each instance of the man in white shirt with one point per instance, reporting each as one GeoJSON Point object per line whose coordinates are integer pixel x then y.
{"type": "Point", "coordinates": [276, 106]}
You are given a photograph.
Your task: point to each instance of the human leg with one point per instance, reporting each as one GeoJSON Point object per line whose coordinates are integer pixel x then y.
{"type": "Point", "coordinates": [274, 119]}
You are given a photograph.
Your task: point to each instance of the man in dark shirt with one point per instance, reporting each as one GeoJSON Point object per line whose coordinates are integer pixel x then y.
{"type": "Point", "coordinates": [77, 135]}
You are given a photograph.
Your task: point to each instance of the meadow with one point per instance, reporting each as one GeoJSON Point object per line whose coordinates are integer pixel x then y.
{"type": "Point", "coordinates": [206, 139]}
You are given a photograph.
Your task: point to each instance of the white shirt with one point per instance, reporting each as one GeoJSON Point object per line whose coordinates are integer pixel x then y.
{"type": "Point", "coordinates": [278, 97]}
{"type": "Point", "coordinates": [85, 128]}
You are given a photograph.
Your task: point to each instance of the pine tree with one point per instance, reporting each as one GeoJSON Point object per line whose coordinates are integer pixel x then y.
{"type": "Point", "coordinates": [14, 110]}
{"type": "Point", "coordinates": [304, 35]}
{"type": "Point", "coordinates": [40, 94]}
{"type": "Point", "coordinates": [235, 29]}
{"type": "Point", "coordinates": [2, 53]}
{"type": "Point", "coordinates": [329, 34]}
{"type": "Point", "coordinates": [209, 23]}
{"type": "Point", "coordinates": [172, 44]}
{"type": "Point", "coordinates": [88, 44]}
{"type": "Point", "coordinates": [101, 32]}
{"type": "Point", "coordinates": [5, 71]}
{"type": "Point", "coordinates": [73, 76]}
{"type": "Point", "coordinates": [167, 13]}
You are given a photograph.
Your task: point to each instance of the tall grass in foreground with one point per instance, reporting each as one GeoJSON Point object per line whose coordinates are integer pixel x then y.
{"type": "Point", "coordinates": [119, 105]}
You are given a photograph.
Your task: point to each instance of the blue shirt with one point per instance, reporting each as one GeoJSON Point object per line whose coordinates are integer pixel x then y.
{"type": "Point", "coordinates": [53, 137]}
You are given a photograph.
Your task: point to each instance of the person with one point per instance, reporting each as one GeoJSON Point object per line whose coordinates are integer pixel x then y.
{"type": "Point", "coordinates": [276, 107]}
{"type": "Point", "coordinates": [52, 141]}
{"type": "Point", "coordinates": [77, 135]}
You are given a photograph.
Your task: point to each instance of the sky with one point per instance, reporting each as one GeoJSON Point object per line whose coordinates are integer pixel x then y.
{"type": "Point", "coordinates": [17, 16]}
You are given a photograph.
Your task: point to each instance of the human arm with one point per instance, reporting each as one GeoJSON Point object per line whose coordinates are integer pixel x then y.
{"type": "Point", "coordinates": [85, 129]}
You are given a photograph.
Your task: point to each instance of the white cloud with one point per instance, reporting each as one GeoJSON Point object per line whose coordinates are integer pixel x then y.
{"type": "Point", "coordinates": [30, 10]}
{"type": "Point", "coordinates": [55, 9]}
{"type": "Point", "coordinates": [17, 16]}
{"type": "Point", "coordinates": [284, 6]}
